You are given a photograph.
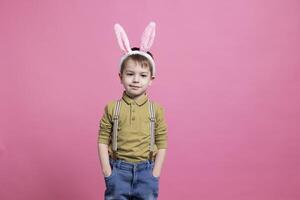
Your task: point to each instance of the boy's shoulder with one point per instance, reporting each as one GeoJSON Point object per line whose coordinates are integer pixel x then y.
{"type": "Point", "coordinates": [156, 104]}
{"type": "Point", "coordinates": [160, 109]}
{"type": "Point", "coordinates": [110, 105]}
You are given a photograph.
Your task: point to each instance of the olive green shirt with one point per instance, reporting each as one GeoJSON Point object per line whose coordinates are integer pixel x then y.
{"type": "Point", "coordinates": [134, 128]}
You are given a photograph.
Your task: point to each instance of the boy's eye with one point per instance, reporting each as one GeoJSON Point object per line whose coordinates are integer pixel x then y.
{"type": "Point", "coordinates": [129, 74]}
{"type": "Point", "coordinates": [144, 75]}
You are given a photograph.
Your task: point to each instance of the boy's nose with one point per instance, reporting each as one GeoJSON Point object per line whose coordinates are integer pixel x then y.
{"type": "Point", "coordinates": [135, 79]}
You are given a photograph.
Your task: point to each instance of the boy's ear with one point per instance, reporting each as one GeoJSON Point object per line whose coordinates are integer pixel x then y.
{"type": "Point", "coordinates": [152, 78]}
{"type": "Point", "coordinates": [120, 76]}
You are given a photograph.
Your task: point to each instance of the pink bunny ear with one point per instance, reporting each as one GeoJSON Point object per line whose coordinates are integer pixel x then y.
{"type": "Point", "coordinates": [148, 37]}
{"type": "Point", "coordinates": [122, 38]}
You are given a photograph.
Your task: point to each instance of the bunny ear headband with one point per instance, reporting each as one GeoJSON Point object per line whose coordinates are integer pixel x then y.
{"type": "Point", "coordinates": [146, 43]}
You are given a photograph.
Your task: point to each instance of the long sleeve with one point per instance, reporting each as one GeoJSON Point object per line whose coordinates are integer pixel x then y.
{"type": "Point", "coordinates": [105, 127]}
{"type": "Point", "coordinates": [160, 129]}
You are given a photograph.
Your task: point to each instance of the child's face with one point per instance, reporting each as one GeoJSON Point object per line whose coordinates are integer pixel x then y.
{"type": "Point", "coordinates": [135, 79]}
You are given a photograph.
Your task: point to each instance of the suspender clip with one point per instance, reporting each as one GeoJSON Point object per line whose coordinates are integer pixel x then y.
{"type": "Point", "coordinates": [152, 119]}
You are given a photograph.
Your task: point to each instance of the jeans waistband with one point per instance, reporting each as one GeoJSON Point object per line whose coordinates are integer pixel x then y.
{"type": "Point", "coordinates": [122, 164]}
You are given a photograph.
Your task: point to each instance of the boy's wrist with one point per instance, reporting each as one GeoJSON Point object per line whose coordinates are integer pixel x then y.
{"type": "Point", "coordinates": [155, 173]}
{"type": "Point", "coordinates": [106, 172]}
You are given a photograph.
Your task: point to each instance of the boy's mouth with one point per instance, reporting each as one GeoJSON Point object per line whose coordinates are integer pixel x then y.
{"type": "Point", "coordinates": [133, 86]}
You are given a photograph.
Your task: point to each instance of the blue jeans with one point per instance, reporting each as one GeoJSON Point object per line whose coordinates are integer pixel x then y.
{"type": "Point", "coordinates": [131, 181]}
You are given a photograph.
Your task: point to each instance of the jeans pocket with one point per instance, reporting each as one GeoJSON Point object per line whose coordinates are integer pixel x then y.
{"type": "Point", "coordinates": [155, 177]}
{"type": "Point", "coordinates": [111, 174]}
{"type": "Point", "coordinates": [151, 174]}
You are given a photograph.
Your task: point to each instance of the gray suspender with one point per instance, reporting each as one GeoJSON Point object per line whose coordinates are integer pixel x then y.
{"type": "Point", "coordinates": [115, 125]}
{"type": "Point", "coordinates": [116, 115]}
{"type": "Point", "coordinates": [152, 129]}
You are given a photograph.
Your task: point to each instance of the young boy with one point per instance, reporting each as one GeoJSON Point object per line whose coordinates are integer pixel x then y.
{"type": "Point", "coordinates": [133, 132]}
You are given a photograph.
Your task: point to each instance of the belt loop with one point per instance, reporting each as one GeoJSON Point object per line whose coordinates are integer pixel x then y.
{"type": "Point", "coordinates": [134, 167]}
{"type": "Point", "coordinates": [118, 163]}
{"type": "Point", "coordinates": [148, 164]}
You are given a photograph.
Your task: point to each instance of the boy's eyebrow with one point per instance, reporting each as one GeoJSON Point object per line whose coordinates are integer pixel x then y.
{"type": "Point", "coordinates": [134, 72]}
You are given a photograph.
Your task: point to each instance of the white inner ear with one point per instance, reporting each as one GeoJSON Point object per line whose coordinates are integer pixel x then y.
{"type": "Point", "coordinates": [122, 38]}
{"type": "Point", "coordinates": [148, 37]}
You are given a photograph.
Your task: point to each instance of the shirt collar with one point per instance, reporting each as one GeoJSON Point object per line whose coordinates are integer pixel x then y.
{"type": "Point", "coordinates": [139, 101]}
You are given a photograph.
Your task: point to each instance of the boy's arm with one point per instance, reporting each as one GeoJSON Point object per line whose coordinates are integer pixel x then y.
{"type": "Point", "coordinates": [159, 160]}
{"type": "Point", "coordinates": [160, 140]}
{"type": "Point", "coordinates": [103, 141]}
{"type": "Point", "coordinates": [104, 159]}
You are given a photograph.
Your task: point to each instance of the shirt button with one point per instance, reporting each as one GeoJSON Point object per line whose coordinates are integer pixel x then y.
{"type": "Point", "coordinates": [133, 110]}
{"type": "Point", "coordinates": [133, 118]}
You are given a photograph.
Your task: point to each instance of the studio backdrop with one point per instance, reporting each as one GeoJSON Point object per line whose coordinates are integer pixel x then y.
{"type": "Point", "coordinates": [228, 76]}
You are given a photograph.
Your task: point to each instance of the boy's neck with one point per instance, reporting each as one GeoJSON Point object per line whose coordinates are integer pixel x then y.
{"type": "Point", "coordinates": [135, 98]}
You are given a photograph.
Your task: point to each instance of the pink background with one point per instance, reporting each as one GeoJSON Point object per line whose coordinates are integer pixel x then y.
{"type": "Point", "coordinates": [228, 77]}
